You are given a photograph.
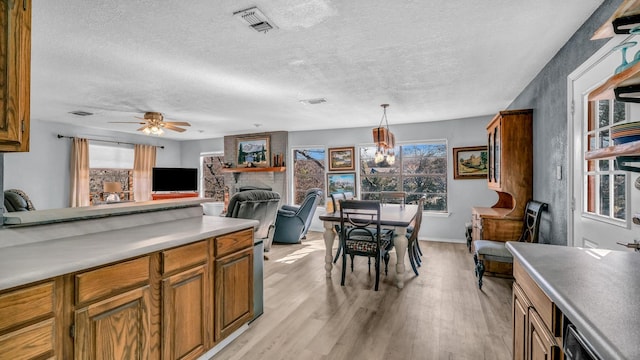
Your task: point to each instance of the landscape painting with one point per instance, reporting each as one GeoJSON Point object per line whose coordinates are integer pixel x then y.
{"type": "Point", "coordinates": [253, 152]}
{"type": "Point", "coordinates": [341, 159]}
{"type": "Point", "coordinates": [470, 162]}
{"type": "Point", "coordinates": [341, 182]}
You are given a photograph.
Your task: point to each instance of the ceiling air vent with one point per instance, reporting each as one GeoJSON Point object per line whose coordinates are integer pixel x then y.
{"type": "Point", "coordinates": [256, 19]}
{"type": "Point", "coordinates": [315, 101]}
{"type": "Point", "coordinates": [80, 113]}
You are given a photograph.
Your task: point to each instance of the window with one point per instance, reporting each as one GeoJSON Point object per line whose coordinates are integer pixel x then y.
{"type": "Point", "coordinates": [110, 164]}
{"type": "Point", "coordinates": [212, 181]}
{"type": "Point", "coordinates": [308, 172]}
{"type": "Point", "coordinates": [419, 169]}
{"type": "Point", "coordinates": [605, 194]}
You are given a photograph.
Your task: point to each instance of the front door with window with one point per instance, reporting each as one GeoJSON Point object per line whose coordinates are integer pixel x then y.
{"type": "Point", "coordinates": [602, 203]}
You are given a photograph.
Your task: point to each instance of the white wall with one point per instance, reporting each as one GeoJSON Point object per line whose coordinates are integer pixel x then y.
{"type": "Point", "coordinates": [191, 150]}
{"type": "Point", "coordinates": [43, 172]}
{"type": "Point", "coordinates": [462, 194]}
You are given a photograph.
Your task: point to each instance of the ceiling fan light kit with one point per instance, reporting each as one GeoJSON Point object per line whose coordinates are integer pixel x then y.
{"type": "Point", "coordinates": [154, 124]}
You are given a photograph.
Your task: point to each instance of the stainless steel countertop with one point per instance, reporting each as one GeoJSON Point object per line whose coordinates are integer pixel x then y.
{"type": "Point", "coordinates": [597, 290]}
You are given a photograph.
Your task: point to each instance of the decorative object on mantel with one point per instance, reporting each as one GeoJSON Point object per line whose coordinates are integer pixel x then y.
{"type": "Point", "coordinates": [113, 188]}
{"type": "Point", "coordinates": [252, 151]}
{"type": "Point", "coordinates": [384, 139]}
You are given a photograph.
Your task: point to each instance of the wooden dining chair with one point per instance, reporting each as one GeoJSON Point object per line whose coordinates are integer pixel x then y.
{"type": "Point", "coordinates": [393, 197]}
{"type": "Point", "coordinates": [492, 250]}
{"type": "Point", "coordinates": [335, 200]}
{"type": "Point", "coordinates": [361, 235]}
{"type": "Point", "coordinates": [413, 246]}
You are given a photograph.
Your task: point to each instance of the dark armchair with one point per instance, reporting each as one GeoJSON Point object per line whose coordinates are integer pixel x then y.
{"type": "Point", "coordinates": [261, 205]}
{"type": "Point", "coordinates": [17, 200]}
{"type": "Point", "coordinates": [293, 222]}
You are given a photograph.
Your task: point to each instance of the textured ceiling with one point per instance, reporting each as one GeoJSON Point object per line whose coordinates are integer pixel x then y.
{"type": "Point", "coordinates": [193, 61]}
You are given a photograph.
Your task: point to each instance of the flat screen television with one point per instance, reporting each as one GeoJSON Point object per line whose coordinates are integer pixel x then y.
{"type": "Point", "coordinates": [174, 179]}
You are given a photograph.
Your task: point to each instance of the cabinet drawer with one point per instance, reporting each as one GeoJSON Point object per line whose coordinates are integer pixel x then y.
{"type": "Point", "coordinates": [31, 342]}
{"type": "Point", "coordinates": [110, 280]}
{"type": "Point", "coordinates": [184, 257]}
{"type": "Point", "coordinates": [230, 243]}
{"type": "Point", "coordinates": [545, 308]}
{"type": "Point", "coordinates": [23, 305]}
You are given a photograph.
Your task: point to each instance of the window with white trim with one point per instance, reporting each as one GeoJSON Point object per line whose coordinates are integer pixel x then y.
{"type": "Point", "coordinates": [605, 187]}
{"type": "Point", "coordinates": [419, 169]}
{"type": "Point", "coordinates": [309, 164]}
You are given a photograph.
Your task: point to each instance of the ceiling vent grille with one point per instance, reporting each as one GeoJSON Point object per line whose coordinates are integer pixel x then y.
{"type": "Point", "coordinates": [315, 101]}
{"type": "Point", "coordinates": [256, 19]}
{"type": "Point", "coordinates": [80, 113]}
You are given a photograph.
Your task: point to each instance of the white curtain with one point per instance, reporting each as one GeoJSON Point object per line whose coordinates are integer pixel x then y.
{"type": "Point", "coordinates": [80, 193]}
{"type": "Point", "coordinates": [144, 159]}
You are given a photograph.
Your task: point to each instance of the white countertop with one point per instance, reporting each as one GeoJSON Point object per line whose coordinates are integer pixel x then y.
{"type": "Point", "coordinates": [597, 290]}
{"type": "Point", "coordinates": [26, 263]}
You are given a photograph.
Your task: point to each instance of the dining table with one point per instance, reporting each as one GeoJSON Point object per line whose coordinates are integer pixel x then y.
{"type": "Point", "coordinates": [397, 217]}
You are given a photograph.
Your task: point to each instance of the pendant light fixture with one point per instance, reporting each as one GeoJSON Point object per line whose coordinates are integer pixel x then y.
{"type": "Point", "coordinates": [384, 139]}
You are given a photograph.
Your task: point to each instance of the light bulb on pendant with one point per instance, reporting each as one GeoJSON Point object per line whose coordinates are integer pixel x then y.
{"type": "Point", "coordinates": [146, 131]}
{"type": "Point", "coordinates": [379, 157]}
{"type": "Point", "coordinates": [391, 159]}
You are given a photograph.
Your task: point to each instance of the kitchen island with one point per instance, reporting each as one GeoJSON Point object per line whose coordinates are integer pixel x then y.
{"type": "Point", "coordinates": [596, 290]}
{"type": "Point", "coordinates": [140, 280]}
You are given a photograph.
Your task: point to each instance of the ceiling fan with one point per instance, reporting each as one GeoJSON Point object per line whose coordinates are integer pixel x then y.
{"type": "Point", "coordinates": [154, 124]}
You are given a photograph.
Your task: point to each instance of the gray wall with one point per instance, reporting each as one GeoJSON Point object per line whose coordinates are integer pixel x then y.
{"type": "Point", "coordinates": [547, 96]}
{"type": "Point", "coordinates": [462, 194]}
{"type": "Point", "coordinates": [43, 172]}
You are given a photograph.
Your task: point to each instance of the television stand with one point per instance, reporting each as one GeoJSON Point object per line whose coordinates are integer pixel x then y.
{"type": "Point", "coordinates": [163, 196]}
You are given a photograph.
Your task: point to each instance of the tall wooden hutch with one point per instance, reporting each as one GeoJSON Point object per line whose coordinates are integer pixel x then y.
{"type": "Point", "coordinates": [510, 174]}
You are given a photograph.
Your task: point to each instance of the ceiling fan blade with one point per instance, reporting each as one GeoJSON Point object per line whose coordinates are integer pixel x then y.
{"type": "Point", "coordinates": [137, 117]}
{"type": "Point", "coordinates": [179, 123]}
{"type": "Point", "coordinates": [126, 122]}
{"type": "Point", "coordinates": [142, 128]}
{"type": "Point", "coordinates": [174, 128]}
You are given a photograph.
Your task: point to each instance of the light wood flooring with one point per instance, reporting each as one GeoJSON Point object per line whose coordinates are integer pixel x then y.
{"type": "Point", "coordinates": [439, 314]}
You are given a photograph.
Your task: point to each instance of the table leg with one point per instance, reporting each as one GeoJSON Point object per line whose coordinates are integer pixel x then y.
{"type": "Point", "coordinates": [328, 235]}
{"type": "Point", "coordinates": [400, 242]}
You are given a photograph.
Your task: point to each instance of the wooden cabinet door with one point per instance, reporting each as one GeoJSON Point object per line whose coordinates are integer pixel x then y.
{"type": "Point", "coordinates": [541, 345]}
{"type": "Point", "coordinates": [15, 73]}
{"type": "Point", "coordinates": [185, 314]}
{"type": "Point", "coordinates": [234, 291]}
{"type": "Point", "coordinates": [115, 328]}
{"type": "Point", "coordinates": [521, 307]}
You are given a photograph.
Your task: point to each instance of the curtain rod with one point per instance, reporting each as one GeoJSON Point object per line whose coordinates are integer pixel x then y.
{"type": "Point", "coordinates": [109, 141]}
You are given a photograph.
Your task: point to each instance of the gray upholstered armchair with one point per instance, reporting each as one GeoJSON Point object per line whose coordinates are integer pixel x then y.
{"type": "Point", "coordinates": [293, 222]}
{"type": "Point", "coordinates": [261, 205]}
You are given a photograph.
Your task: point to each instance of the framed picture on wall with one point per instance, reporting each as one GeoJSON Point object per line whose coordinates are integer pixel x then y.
{"type": "Point", "coordinates": [252, 151]}
{"type": "Point", "coordinates": [341, 182]}
{"type": "Point", "coordinates": [470, 162]}
{"type": "Point", "coordinates": [341, 159]}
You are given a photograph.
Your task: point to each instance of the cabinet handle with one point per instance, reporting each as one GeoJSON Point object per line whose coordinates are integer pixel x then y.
{"type": "Point", "coordinates": [24, 5]}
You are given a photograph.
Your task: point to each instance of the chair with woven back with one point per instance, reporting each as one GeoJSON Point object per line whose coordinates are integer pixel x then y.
{"type": "Point", "coordinates": [361, 235]}
{"type": "Point", "coordinates": [492, 250]}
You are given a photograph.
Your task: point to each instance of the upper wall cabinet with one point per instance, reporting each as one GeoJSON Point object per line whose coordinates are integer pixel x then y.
{"type": "Point", "coordinates": [15, 75]}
